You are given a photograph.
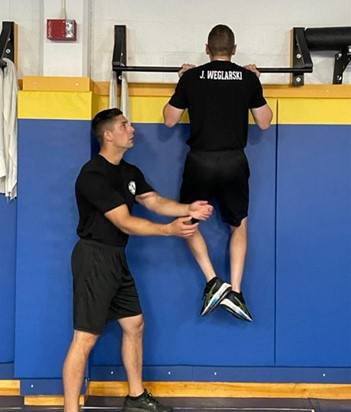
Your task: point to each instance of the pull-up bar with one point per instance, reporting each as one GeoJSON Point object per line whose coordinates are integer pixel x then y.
{"type": "Point", "coordinates": [117, 66]}
{"type": "Point", "coordinates": [330, 38]}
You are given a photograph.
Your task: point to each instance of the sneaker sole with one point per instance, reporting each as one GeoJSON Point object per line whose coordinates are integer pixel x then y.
{"type": "Point", "coordinates": [217, 298]}
{"type": "Point", "coordinates": [235, 310]}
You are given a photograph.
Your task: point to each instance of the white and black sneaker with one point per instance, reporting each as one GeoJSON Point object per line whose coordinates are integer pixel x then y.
{"type": "Point", "coordinates": [215, 291]}
{"type": "Point", "coordinates": [235, 304]}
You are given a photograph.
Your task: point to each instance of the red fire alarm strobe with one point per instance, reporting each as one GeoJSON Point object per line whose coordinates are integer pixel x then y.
{"type": "Point", "coordinates": [60, 29]}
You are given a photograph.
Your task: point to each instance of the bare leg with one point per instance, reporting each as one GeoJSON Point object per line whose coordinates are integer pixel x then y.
{"type": "Point", "coordinates": [132, 352]}
{"type": "Point", "coordinates": [199, 249]}
{"type": "Point", "coordinates": [74, 367]}
{"type": "Point", "coordinates": [237, 250]}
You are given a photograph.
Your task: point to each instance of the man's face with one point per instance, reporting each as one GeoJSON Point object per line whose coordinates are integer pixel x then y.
{"type": "Point", "coordinates": [122, 133]}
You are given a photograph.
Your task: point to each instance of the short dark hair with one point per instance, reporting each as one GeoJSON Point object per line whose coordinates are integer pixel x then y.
{"type": "Point", "coordinates": [221, 41]}
{"type": "Point", "coordinates": [104, 120]}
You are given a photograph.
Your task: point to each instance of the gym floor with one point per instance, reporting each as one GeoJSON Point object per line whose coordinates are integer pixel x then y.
{"type": "Point", "coordinates": [97, 404]}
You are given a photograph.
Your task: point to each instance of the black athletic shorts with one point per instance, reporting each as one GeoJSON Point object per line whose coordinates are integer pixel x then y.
{"type": "Point", "coordinates": [223, 175]}
{"type": "Point", "coordinates": [103, 287]}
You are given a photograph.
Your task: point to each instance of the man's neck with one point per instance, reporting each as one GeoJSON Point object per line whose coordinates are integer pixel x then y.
{"type": "Point", "coordinates": [221, 58]}
{"type": "Point", "coordinates": [112, 157]}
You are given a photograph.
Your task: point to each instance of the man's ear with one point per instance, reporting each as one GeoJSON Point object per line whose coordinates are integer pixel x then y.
{"type": "Point", "coordinates": [207, 49]}
{"type": "Point", "coordinates": [234, 50]}
{"type": "Point", "coordinates": [107, 136]}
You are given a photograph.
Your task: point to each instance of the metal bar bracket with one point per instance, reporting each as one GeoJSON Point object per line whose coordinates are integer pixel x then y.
{"type": "Point", "coordinates": [301, 56]}
{"type": "Point", "coordinates": [7, 42]}
{"type": "Point", "coordinates": [342, 59]}
{"type": "Point", "coordinates": [120, 50]}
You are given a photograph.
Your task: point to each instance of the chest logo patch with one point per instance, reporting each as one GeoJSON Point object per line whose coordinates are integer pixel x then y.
{"type": "Point", "coordinates": [132, 187]}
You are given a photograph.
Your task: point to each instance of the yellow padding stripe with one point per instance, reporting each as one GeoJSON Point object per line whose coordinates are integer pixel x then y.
{"type": "Point", "coordinates": [327, 91]}
{"type": "Point", "coordinates": [9, 387]}
{"type": "Point", "coordinates": [227, 389]}
{"type": "Point", "coordinates": [54, 105]}
{"type": "Point", "coordinates": [149, 109]}
{"type": "Point", "coordinates": [47, 83]}
{"type": "Point", "coordinates": [142, 109]}
{"type": "Point", "coordinates": [70, 84]}
{"type": "Point", "coordinates": [314, 111]}
{"type": "Point", "coordinates": [99, 103]}
{"type": "Point", "coordinates": [272, 103]}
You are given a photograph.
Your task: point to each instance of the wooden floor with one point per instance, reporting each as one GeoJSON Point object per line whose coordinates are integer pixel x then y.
{"type": "Point", "coordinates": [102, 404]}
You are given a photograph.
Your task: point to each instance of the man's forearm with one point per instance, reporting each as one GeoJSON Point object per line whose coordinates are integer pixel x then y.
{"type": "Point", "coordinates": [168, 207]}
{"type": "Point", "coordinates": [138, 226]}
{"type": "Point", "coordinates": [133, 225]}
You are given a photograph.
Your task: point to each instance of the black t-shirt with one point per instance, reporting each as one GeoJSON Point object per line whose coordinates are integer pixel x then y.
{"type": "Point", "coordinates": [102, 186]}
{"type": "Point", "coordinates": [218, 96]}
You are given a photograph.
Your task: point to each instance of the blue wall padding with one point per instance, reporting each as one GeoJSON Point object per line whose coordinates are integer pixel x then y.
{"type": "Point", "coordinates": [297, 279]}
{"type": "Point", "coordinates": [170, 283]}
{"type": "Point", "coordinates": [155, 373]}
{"type": "Point", "coordinates": [271, 374]}
{"type": "Point", "coordinates": [314, 246]}
{"type": "Point", "coordinates": [7, 369]}
{"type": "Point", "coordinates": [7, 278]}
{"type": "Point", "coordinates": [51, 153]}
{"type": "Point", "coordinates": [227, 374]}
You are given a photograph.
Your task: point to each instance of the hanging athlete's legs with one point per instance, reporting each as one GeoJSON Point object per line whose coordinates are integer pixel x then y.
{"type": "Point", "coordinates": [234, 302]}
{"type": "Point", "coordinates": [237, 253]}
{"type": "Point", "coordinates": [198, 247]}
{"type": "Point", "coordinates": [216, 289]}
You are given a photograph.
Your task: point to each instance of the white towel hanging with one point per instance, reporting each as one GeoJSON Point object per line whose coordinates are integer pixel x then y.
{"type": "Point", "coordinates": [123, 102]}
{"type": "Point", "coordinates": [113, 91]}
{"type": "Point", "coordinates": [9, 127]}
{"type": "Point", "coordinates": [2, 148]}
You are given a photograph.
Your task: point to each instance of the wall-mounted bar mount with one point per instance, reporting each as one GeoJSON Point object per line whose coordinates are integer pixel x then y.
{"type": "Point", "coordinates": [7, 42]}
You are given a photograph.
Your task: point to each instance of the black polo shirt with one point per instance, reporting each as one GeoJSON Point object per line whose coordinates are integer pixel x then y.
{"type": "Point", "coordinates": [218, 96]}
{"type": "Point", "coordinates": [102, 186]}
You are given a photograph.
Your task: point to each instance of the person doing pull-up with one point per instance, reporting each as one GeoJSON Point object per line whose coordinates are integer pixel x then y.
{"type": "Point", "coordinates": [218, 96]}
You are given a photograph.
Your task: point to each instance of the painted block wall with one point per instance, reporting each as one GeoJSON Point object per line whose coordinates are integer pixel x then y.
{"type": "Point", "coordinates": [262, 33]}
{"type": "Point", "coordinates": [26, 14]}
{"type": "Point", "coordinates": [165, 33]}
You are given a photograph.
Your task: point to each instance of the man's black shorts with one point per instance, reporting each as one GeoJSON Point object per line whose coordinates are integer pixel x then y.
{"type": "Point", "coordinates": [223, 175]}
{"type": "Point", "coordinates": [103, 286]}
